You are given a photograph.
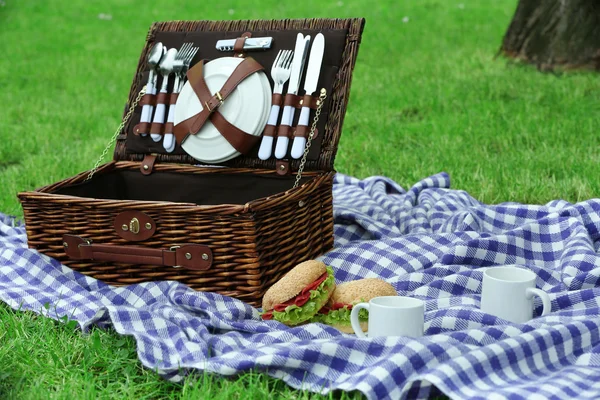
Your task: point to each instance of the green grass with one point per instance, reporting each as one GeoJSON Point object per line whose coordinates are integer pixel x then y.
{"type": "Point", "coordinates": [44, 359]}
{"type": "Point", "coordinates": [427, 96]}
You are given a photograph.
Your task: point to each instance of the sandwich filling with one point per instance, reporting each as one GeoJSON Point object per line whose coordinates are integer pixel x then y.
{"type": "Point", "coordinates": [339, 314]}
{"type": "Point", "coordinates": [307, 303]}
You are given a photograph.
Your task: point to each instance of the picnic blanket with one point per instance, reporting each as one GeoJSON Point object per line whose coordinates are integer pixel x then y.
{"type": "Point", "coordinates": [430, 242]}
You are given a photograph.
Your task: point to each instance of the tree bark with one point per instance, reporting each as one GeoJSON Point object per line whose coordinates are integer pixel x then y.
{"type": "Point", "coordinates": [555, 33]}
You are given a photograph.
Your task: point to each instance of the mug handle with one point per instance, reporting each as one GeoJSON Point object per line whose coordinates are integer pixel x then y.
{"type": "Point", "coordinates": [547, 307]}
{"type": "Point", "coordinates": [354, 319]}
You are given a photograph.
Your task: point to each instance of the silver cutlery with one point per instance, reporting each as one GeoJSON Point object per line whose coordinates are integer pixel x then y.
{"type": "Point", "coordinates": [310, 86]}
{"type": "Point", "coordinates": [156, 54]}
{"type": "Point", "coordinates": [259, 43]}
{"type": "Point", "coordinates": [181, 64]}
{"type": "Point", "coordinates": [300, 52]}
{"type": "Point", "coordinates": [166, 68]}
{"type": "Point", "coordinates": [280, 73]}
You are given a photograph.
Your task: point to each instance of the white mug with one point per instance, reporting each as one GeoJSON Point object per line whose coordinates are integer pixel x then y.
{"type": "Point", "coordinates": [507, 292]}
{"type": "Point", "coordinates": [391, 316]}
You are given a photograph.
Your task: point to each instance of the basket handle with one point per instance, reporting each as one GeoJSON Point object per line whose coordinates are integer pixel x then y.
{"type": "Point", "coordinates": [196, 257]}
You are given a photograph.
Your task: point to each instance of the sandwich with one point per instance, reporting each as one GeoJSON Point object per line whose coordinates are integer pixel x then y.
{"type": "Point", "coordinates": [346, 295]}
{"type": "Point", "coordinates": [300, 294]}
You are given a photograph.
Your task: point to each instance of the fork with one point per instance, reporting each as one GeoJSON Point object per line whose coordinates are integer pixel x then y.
{"type": "Point", "coordinates": [280, 73]}
{"type": "Point", "coordinates": [180, 66]}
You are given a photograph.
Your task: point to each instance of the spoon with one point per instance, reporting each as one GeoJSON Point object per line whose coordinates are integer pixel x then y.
{"type": "Point", "coordinates": [154, 57]}
{"type": "Point", "coordinates": [166, 68]}
{"type": "Point", "coordinates": [182, 60]}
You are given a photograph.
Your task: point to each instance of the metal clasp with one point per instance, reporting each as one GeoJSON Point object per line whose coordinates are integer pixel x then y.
{"type": "Point", "coordinates": [219, 97]}
{"type": "Point", "coordinates": [134, 226]}
{"type": "Point", "coordinates": [173, 248]}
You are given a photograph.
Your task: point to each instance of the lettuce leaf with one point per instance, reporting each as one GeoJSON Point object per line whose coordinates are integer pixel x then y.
{"type": "Point", "coordinates": [340, 316]}
{"type": "Point", "coordinates": [294, 315]}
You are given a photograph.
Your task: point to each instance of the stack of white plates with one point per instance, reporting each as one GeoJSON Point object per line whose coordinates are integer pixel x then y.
{"type": "Point", "coordinates": [247, 108]}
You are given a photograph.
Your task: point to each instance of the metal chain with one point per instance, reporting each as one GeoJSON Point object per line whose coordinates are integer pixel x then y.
{"type": "Point", "coordinates": [119, 129]}
{"type": "Point", "coordinates": [322, 97]}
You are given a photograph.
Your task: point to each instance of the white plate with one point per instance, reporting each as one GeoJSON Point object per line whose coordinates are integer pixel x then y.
{"type": "Point", "coordinates": [247, 107]}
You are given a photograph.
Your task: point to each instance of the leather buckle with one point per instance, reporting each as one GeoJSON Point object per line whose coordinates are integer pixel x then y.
{"type": "Point", "coordinates": [173, 248]}
{"type": "Point", "coordinates": [219, 97]}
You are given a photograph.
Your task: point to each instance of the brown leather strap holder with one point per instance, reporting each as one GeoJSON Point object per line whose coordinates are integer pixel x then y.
{"type": "Point", "coordinates": [300, 101]}
{"type": "Point", "coordinates": [239, 139]}
{"type": "Point", "coordinates": [277, 99]}
{"type": "Point", "coordinates": [238, 46]}
{"type": "Point", "coordinates": [270, 130]}
{"type": "Point", "coordinates": [303, 131]}
{"type": "Point", "coordinates": [148, 99]}
{"type": "Point", "coordinates": [157, 128]}
{"type": "Point", "coordinates": [161, 98]}
{"type": "Point", "coordinates": [282, 167]}
{"type": "Point", "coordinates": [196, 257]}
{"type": "Point", "coordinates": [173, 98]}
{"type": "Point", "coordinates": [284, 130]}
{"type": "Point", "coordinates": [142, 127]}
{"type": "Point", "coordinates": [309, 101]}
{"type": "Point", "coordinates": [147, 164]}
{"type": "Point", "coordinates": [169, 127]}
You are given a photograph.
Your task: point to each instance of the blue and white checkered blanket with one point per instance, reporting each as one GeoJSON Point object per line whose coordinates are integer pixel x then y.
{"type": "Point", "coordinates": [430, 242]}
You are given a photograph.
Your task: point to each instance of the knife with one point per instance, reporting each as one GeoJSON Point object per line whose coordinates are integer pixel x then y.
{"type": "Point", "coordinates": [300, 52]}
{"type": "Point", "coordinates": [310, 86]}
{"type": "Point", "coordinates": [261, 43]}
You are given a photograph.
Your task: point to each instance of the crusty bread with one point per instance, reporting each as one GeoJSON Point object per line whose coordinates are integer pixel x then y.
{"type": "Point", "coordinates": [293, 282]}
{"type": "Point", "coordinates": [354, 292]}
{"type": "Point", "coordinates": [348, 328]}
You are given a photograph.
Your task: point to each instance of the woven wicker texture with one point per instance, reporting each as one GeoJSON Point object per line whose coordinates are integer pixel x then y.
{"type": "Point", "coordinates": [252, 244]}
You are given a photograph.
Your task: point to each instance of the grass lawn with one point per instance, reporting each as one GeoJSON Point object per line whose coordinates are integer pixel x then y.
{"type": "Point", "coordinates": [427, 96]}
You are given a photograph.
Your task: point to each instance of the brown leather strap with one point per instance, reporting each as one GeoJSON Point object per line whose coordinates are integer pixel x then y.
{"type": "Point", "coordinates": [142, 127]}
{"type": "Point", "coordinates": [309, 101]}
{"type": "Point", "coordinates": [238, 46]}
{"type": "Point", "coordinates": [291, 100]}
{"type": "Point", "coordinates": [169, 127]}
{"type": "Point", "coordinates": [173, 98]}
{"type": "Point", "coordinates": [148, 99]}
{"type": "Point", "coordinates": [161, 98]}
{"type": "Point", "coordinates": [303, 131]}
{"type": "Point", "coordinates": [282, 167]}
{"type": "Point", "coordinates": [147, 164]}
{"type": "Point", "coordinates": [157, 128]}
{"type": "Point", "coordinates": [277, 99]}
{"type": "Point", "coordinates": [269, 130]}
{"type": "Point", "coordinates": [239, 139]}
{"type": "Point", "coordinates": [193, 124]}
{"type": "Point", "coordinates": [190, 256]}
{"type": "Point", "coordinates": [284, 130]}
{"type": "Point", "coordinates": [300, 101]}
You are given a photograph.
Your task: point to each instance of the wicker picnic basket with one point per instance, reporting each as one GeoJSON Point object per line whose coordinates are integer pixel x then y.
{"type": "Point", "coordinates": [232, 228]}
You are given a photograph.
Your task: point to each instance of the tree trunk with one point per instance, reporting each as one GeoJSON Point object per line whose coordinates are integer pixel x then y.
{"type": "Point", "coordinates": [555, 33]}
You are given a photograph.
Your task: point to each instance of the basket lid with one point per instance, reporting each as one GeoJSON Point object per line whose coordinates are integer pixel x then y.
{"type": "Point", "coordinates": [342, 39]}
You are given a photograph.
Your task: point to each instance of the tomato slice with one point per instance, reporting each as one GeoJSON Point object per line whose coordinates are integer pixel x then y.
{"type": "Point", "coordinates": [315, 284]}
{"type": "Point", "coordinates": [301, 299]}
{"type": "Point", "coordinates": [281, 307]}
{"type": "Point", "coordinates": [267, 316]}
{"type": "Point", "coordinates": [337, 306]}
